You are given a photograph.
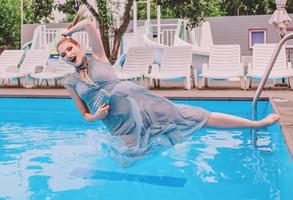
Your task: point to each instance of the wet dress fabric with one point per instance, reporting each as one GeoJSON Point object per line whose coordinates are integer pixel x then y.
{"type": "Point", "coordinates": [136, 115]}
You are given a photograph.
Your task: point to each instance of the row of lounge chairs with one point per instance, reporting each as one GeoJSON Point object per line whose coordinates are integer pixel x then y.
{"type": "Point", "coordinates": [21, 65]}
{"type": "Point", "coordinates": [224, 63]}
{"type": "Point", "coordinates": [176, 62]}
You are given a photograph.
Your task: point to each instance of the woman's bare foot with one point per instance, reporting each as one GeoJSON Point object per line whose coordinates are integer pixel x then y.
{"type": "Point", "coordinates": [269, 120]}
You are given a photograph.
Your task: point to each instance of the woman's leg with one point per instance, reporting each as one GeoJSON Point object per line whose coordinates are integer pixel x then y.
{"type": "Point", "coordinates": [221, 120]}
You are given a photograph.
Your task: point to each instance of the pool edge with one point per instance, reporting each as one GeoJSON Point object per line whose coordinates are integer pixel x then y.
{"type": "Point", "coordinates": [284, 124]}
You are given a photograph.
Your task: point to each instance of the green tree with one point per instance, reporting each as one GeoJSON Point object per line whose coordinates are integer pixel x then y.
{"type": "Point", "coordinates": [166, 13]}
{"type": "Point", "coordinates": [10, 24]}
{"type": "Point", "coordinates": [103, 14]}
{"type": "Point", "coordinates": [193, 10]}
{"type": "Point", "coordinates": [142, 10]}
{"type": "Point", "coordinates": [289, 6]}
{"type": "Point", "coordinates": [69, 7]}
{"type": "Point", "coordinates": [38, 11]}
{"type": "Point", "coordinates": [246, 7]}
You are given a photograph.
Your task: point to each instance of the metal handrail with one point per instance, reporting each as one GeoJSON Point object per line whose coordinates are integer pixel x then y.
{"type": "Point", "coordinates": [266, 76]}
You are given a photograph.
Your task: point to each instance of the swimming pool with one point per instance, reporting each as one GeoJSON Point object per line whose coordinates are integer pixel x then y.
{"type": "Point", "coordinates": [47, 151]}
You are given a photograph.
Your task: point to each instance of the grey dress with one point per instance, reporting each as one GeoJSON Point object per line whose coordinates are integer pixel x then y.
{"type": "Point", "coordinates": [136, 115]}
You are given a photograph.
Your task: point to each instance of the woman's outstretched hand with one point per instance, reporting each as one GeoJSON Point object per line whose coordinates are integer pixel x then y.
{"type": "Point", "coordinates": [66, 31]}
{"type": "Point", "coordinates": [70, 25]}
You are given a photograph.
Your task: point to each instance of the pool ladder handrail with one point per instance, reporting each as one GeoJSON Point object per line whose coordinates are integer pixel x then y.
{"type": "Point", "coordinates": [265, 78]}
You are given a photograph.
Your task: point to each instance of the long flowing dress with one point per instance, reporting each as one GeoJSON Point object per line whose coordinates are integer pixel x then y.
{"type": "Point", "coordinates": [137, 115]}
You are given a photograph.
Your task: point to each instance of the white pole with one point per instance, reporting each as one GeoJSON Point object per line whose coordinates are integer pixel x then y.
{"type": "Point", "coordinates": [134, 16]}
{"type": "Point", "coordinates": [159, 23]}
{"type": "Point", "coordinates": [184, 29]}
{"type": "Point", "coordinates": [118, 20]}
{"type": "Point", "coordinates": [21, 19]}
{"type": "Point", "coordinates": [135, 21]}
{"type": "Point", "coordinates": [21, 12]}
{"type": "Point", "coordinates": [149, 10]}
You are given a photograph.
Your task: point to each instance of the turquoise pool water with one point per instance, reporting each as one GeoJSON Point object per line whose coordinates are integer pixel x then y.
{"type": "Point", "coordinates": [47, 151]}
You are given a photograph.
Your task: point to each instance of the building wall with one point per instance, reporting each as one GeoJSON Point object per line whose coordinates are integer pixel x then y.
{"type": "Point", "coordinates": [27, 30]}
{"type": "Point", "coordinates": [234, 30]}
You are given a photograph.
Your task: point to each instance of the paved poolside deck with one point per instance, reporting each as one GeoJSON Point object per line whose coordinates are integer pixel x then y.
{"type": "Point", "coordinates": [280, 97]}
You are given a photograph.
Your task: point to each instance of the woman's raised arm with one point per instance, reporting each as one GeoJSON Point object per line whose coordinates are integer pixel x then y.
{"type": "Point", "coordinates": [94, 37]}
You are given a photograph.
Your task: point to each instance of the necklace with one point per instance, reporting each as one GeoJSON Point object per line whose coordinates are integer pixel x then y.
{"type": "Point", "coordinates": [84, 65]}
{"type": "Point", "coordinates": [86, 78]}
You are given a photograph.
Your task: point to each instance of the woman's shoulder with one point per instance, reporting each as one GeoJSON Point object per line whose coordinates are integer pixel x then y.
{"type": "Point", "coordinates": [71, 80]}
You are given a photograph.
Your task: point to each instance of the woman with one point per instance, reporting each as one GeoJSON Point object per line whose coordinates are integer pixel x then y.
{"type": "Point", "coordinates": [133, 114]}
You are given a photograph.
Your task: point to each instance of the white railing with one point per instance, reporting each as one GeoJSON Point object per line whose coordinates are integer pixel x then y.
{"type": "Point", "coordinates": [49, 37]}
{"type": "Point", "coordinates": [46, 38]}
{"type": "Point", "coordinates": [196, 36]}
{"type": "Point", "coordinates": [82, 38]}
{"type": "Point", "coordinates": [167, 36]}
{"type": "Point", "coordinates": [53, 35]}
{"type": "Point", "coordinates": [200, 37]}
{"type": "Point", "coordinates": [167, 33]}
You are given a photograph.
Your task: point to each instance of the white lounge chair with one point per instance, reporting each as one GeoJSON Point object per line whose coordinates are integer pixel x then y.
{"type": "Point", "coordinates": [53, 72]}
{"type": "Point", "coordinates": [224, 63]}
{"type": "Point", "coordinates": [9, 59]}
{"type": "Point", "coordinates": [261, 56]}
{"type": "Point", "coordinates": [137, 63]}
{"type": "Point", "coordinates": [32, 60]}
{"type": "Point", "coordinates": [176, 63]}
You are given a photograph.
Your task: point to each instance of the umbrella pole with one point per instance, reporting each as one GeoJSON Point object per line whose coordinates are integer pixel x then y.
{"type": "Point", "coordinates": [280, 19]}
{"type": "Point", "coordinates": [283, 83]}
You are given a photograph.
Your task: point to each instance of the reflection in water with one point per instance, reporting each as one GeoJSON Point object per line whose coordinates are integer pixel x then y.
{"type": "Point", "coordinates": [205, 148]}
{"type": "Point", "coordinates": [43, 161]}
{"type": "Point", "coordinates": [214, 153]}
{"type": "Point", "coordinates": [33, 152]}
{"type": "Point", "coordinates": [214, 141]}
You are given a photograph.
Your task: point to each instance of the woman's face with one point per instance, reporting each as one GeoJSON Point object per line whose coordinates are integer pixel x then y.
{"type": "Point", "coordinates": [71, 53]}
